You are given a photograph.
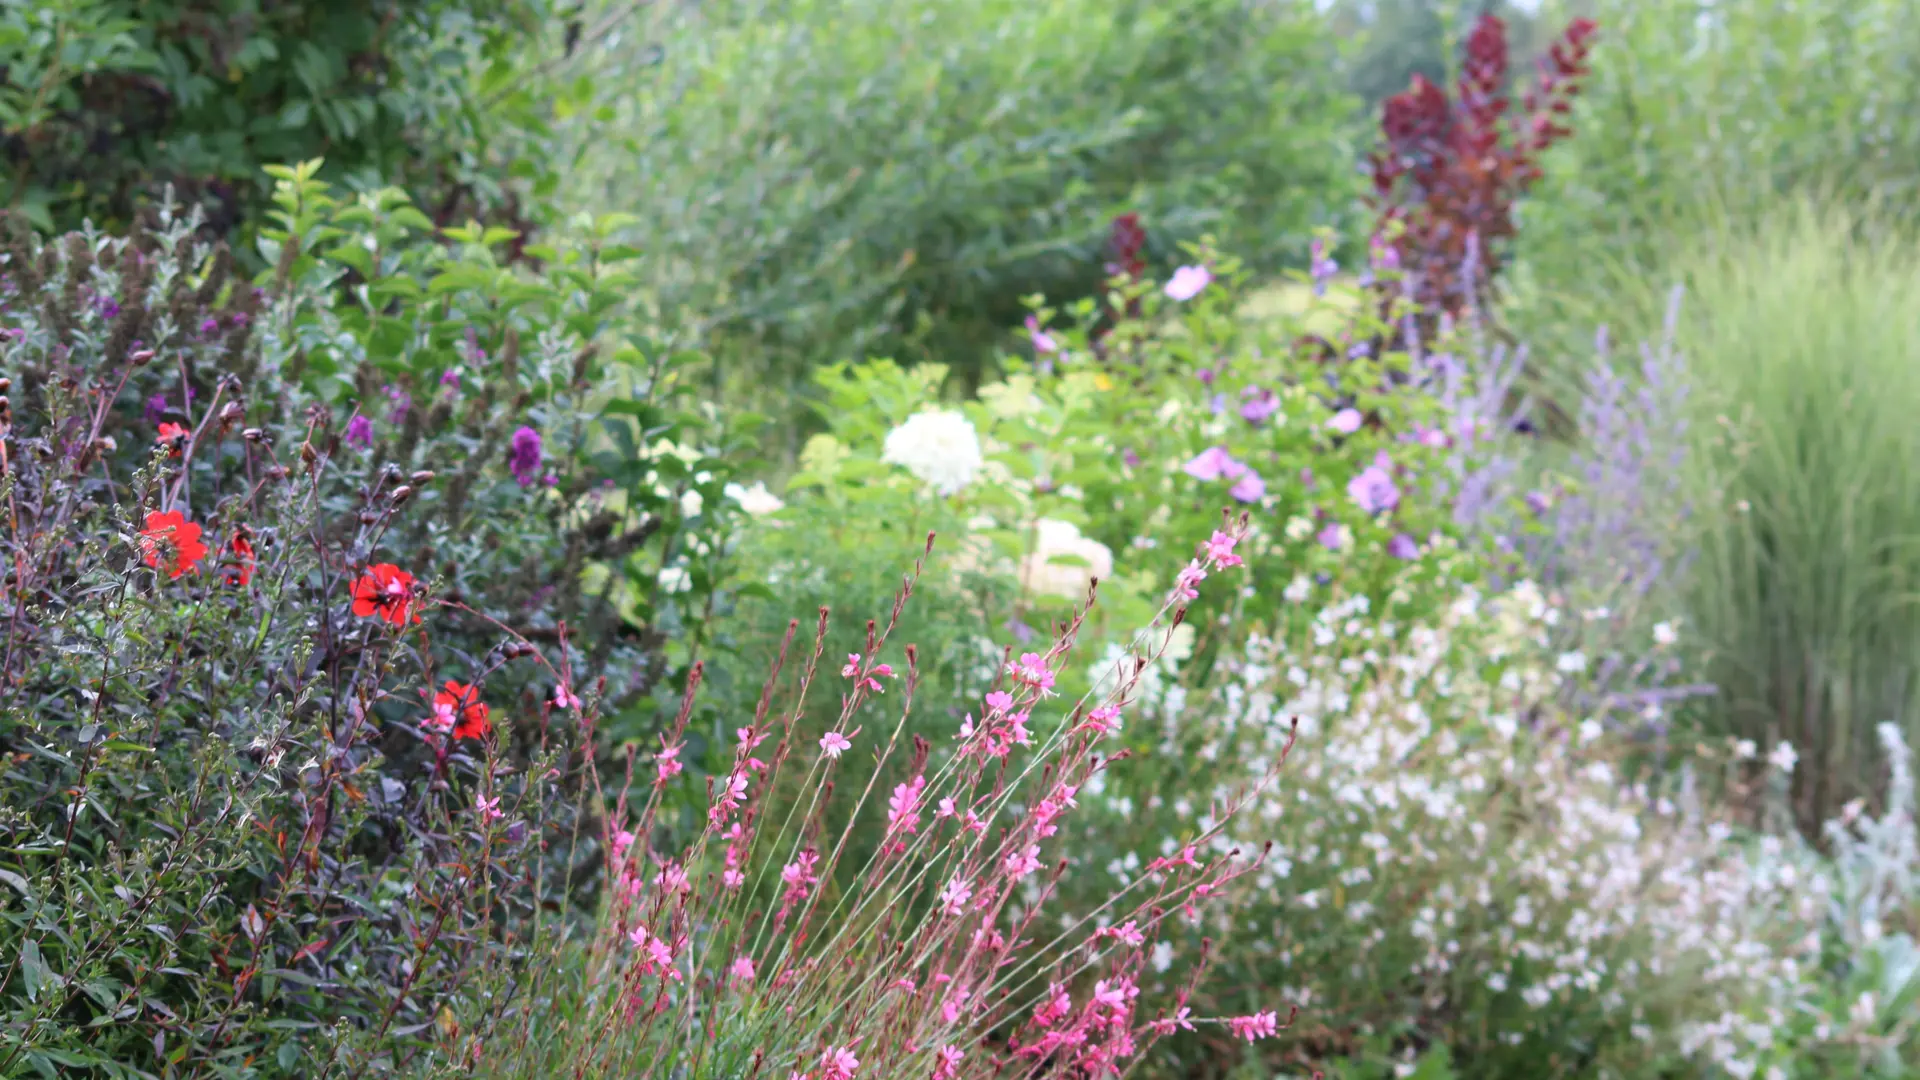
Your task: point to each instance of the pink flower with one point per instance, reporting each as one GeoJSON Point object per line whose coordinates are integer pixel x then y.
{"type": "Point", "coordinates": [622, 840]}
{"type": "Point", "coordinates": [564, 698]}
{"type": "Point", "coordinates": [946, 1065]}
{"type": "Point", "coordinates": [903, 814]}
{"type": "Point", "coordinates": [1179, 1021]}
{"type": "Point", "coordinates": [1187, 585]}
{"type": "Point", "coordinates": [1373, 490]}
{"type": "Point", "coordinates": [1021, 863]}
{"type": "Point", "coordinates": [1346, 421]}
{"type": "Point", "coordinates": [1042, 341]}
{"type": "Point", "coordinates": [838, 1063]}
{"type": "Point", "coordinates": [667, 763]}
{"type": "Point", "coordinates": [833, 744]}
{"type": "Point", "coordinates": [999, 701]}
{"type": "Point", "coordinates": [1261, 1025]}
{"type": "Point", "coordinates": [1214, 463]}
{"type": "Point", "coordinates": [741, 970]}
{"type": "Point", "coordinates": [1249, 488]}
{"type": "Point", "coordinates": [1105, 720]}
{"type": "Point", "coordinates": [672, 879]}
{"type": "Point", "coordinates": [489, 808]}
{"type": "Point", "coordinates": [1187, 282]}
{"type": "Point", "coordinates": [953, 899]}
{"type": "Point", "coordinates": [1031, 669]}
{"type": "Point", "coordinates": [1219, 548]}
{"type": "Point", "coordinates": [871, 680]}
{"type": "Point", "coordinates": [853, 666]}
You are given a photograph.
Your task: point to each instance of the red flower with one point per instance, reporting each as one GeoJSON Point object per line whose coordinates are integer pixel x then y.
{"type": "Point", "coordinates": [387, 591]}
{"type": "Point", "coordinates": [242, 548]}
{"type": "Point", "coordinates": [462, 702]}
{"type": "Point", "coordinates": [171, 436]}
{"type": "Point", "coordinates": [171, 543]}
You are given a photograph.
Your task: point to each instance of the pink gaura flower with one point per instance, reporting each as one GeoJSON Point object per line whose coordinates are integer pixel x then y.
{"type": "Point", "coordinates": [870, 680]}
{"type": "Point", "coordinates": [1104, 720]}
{"type": "Point", "coordinates": [564, 698]}
{"type": "Point", "coordinates": [1031, 669]}
{"type": "Point", "coordinates": [1127, 933]}
{"type": "Point", "coordinates": [946, 1064]}
{"type": "Point", "coordinates": [489, 808]}
{"type": "Point", "coordinates": [1179, 1021]}
{"type": "Point", "coordinates": [903, 813]}
{"type": "Point", "coordinates": [838, 1063]}
{"type": "Point", "coordinates": [833, 744]}
{"type": "Point", "coordinates": [953, 899]}
{"type": "Point", "coordinates": [1021, 863]}
{"type": "Point", "coordinates": [1219, 549]}
{"type": "Point", "coordinates": [1187, 584]}
{"type": "Point", "coordinates": [1260, 1025]}
{"type": "Point", "coordinates": [667, 762]}
{"type": "Point", "coordinates": [741, 970]}
{"type": "Point", "coordinates": [622, 840]}
{"type": "Point", "coordinates": [998, 702]}
{"type": "Point", "coordinates": [672, 879]}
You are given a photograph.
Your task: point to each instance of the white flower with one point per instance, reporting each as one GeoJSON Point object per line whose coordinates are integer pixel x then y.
{"type": "Point", "coordinates": [1783, 757]}
{"type": "Point", "coordinates": [940, 447]}
{"type": "Point", "coordinates": [1864, 1010]}
{"type": "Point", "coordinates": [1162, 956]}
{"type": "Point", "coordinates": [1745, 749]}
{"type": "Point", "coordinates": [1179, 643]}
{"type": "Point", "coordinates": [1047, 570]}
{"type": "Point", "coordinates": [675, 579]}
{"type": "Point", "coordinates": [1298, 528]}
{"type": "Point", "coordinates": [691, 504]}
{"type": "Point", "coordinates": [755, 500]}
{"type": "Point", "coordinates": [1497, 982]}
{"type": "Point", "coordinates": [1663, 634]}
{"type": "Point", "coordinates": [1572, 663]}
{"type": "Point", "coordinates": [1589, 731]}
{"type": "Point", "coordinates": [1187, 282]}
{"type": "Point", "coordinates": [1298, 589]}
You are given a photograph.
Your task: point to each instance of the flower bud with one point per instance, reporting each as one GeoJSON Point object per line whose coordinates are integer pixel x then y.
{"type": "Point", "coordinates": [254, 435]}
{"type": "Point", "coordinates": [401, 494]}
{"type": "Point", "coordinates": [421, 478]}
{"type": "Point", "coordinates": [140, 356]}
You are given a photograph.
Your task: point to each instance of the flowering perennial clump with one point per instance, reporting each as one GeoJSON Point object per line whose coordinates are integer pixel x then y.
{"type": "Point", "coordinates": [765, 946]}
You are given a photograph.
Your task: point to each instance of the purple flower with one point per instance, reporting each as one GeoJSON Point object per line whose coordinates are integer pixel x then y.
{"type": "Point", "coordinates": [1537, 502]}
{"type": "Point", "coordinates": [523, 457]}
{"type": "Point", "coordinates": [1206, 376]}
{"type": "Point", "coordinates": [1331, 537]}
{"type": "Point", "coordinates": [209, 327]}
{"type": "Point", "coordinates": [1214, 463]}
{"type": "Point", "coordinates": [1217, 404]}
{"type": "Point", "coordinates": [1385, 256]}
{"type": "Point", "coordinates": [1403, 547]}
{"type": "Point", "coordinates": [360, 430]}
{"type": "Point", "coordinates": [450, 378]}
{"type": "Point", "coordinates": [1131, 457]}
{"type": "Point", "coordinates": [1042, 341]}
{"type": "Point", "coordinates": [1306, 478]}
{"type": "Point", "coordinates": [1187, 282]}
{"type": "Point", "coordinates": [107, 306]}
{"type": "Point", "coordinates": [239, 319]}
{"type": "Point", "coordinates": [1249, 488]}
{"type": "Point", "coordinates": [1373, 490]}
{"type": "Point", "coordinates": [1433, 437]}
{"type": "Point", "coordinates": [1260, 404]}
{"type": "Point", "coordinates": [156, 408]}
{"type": "Point", "coordinates": [475, 353]}
{"type": "Point", "coordinates": [401, 401]}
{"type": "Point", "coordinates": [1322, 268]}
{"type": "Point", "coordinates": [1346, 421]}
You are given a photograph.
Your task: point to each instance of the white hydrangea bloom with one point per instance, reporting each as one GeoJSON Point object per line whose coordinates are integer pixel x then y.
{"type": "Point", "coordinates": [757, 501]}
{"type": "Point", "coordinates": [1055, 540]}
{"type": "Point", "coordinates": [940, 447]}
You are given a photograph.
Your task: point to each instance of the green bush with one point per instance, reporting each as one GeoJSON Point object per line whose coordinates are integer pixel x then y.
{"type": "Point", "coordinates": [814, 179]}
{"type": "Point", "coordinates": [103, 103]}
{"type": "Point", "coordinates": [258, 820]}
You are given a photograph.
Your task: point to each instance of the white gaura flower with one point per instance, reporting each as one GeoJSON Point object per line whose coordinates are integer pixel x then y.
{"type": "Point", "coordinates": [757, 501]}
{"type": "Point", "coordinates": [940, 447]}
{"type": "Point", "coordinates": [1062, 562]}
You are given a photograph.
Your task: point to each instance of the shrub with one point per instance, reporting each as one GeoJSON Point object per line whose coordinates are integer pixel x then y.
{"type": "Point", "coordinates": [825, 178]}
{"type": "Point", "coordinates": [297, 642]}
{"type": "Point", "coordinates": [104, 103]}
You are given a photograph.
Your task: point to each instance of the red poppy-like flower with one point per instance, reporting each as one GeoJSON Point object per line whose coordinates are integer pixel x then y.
{"type": "Point", "coordinates": [171, 436]}
{"type": "Point", "coordinates": [242, 548]}
{"type": "Point", "coordinates": [171, 543]}
{"type": "Point", "coordinates": [459, 707]}
{"type": "Point", "coordinates": [387, 591]}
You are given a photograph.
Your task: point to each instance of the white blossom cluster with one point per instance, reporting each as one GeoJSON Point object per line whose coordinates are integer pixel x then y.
{"type": "Point", "coordinates": [940, 447]}
{"type": "Point", "coordinates": [1445, 845]}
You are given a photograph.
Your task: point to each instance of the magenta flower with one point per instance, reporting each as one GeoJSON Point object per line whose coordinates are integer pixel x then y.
{"type": "Point", "coordinates": [1346, 421]}
{"type": "Point", "coordinates": [1373, 490]}
{"type": "Point", "coordinates": [1214, 463]}
{"type": "Point", "coordinates": [833, 744]}
{"type": "Point", "coordinates": [1219, 548]}
{"type": "Point", "coordinates": [1042, 341]}
{"type": "Point", "coordinates": [1187, 282]}
{"type": "Point", "coordinates": [360, 430]}
{"type": "Point", "coordinates": [1260, 404]}
{"type": "Point", "coordinates": [1261, 1025]}
{"type": "Point", "coordinates": [1249, 488]}
{"type": "Point", "coordinates": [523, 457]}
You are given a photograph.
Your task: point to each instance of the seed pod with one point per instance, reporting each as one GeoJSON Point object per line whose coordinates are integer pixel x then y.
{"type": "Point", "coordinates": [401, 494]}
{"type": "Point", "coordinates": [421, 478]}
{"type": "Point", "coordinates": [140, 356]}
{"type": "Point", "coordinates": [254, 435]}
